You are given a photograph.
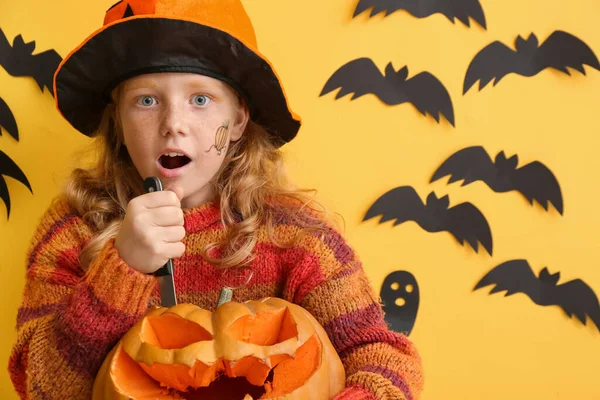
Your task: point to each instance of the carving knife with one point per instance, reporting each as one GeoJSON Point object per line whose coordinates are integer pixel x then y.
{"type": "Point", "coordinates": [164, 275]}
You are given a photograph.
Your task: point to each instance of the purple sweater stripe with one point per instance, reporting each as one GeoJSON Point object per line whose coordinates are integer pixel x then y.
{"type": "Point", "coordinates": [55, 228]}
{"type": "Point", "coordinates": [393, 377]}
{"type": "Point", "coordinates": [95, 330]}
{"type": "Point", "coordinates": [38, 391]}
{"type": "Point", "coordinates": [27, 314]}
{"type": "Point", "coordinates": [362, 327]}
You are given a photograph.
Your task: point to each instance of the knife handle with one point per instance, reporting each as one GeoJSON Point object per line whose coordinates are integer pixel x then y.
{"type": "Point", "coordinates": [153, 184]}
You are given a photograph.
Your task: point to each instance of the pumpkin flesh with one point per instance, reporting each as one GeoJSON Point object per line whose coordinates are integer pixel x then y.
{"type": "Point", "coordinates": [129, 380]}
{"type": "Point", "coordinates": [262, 351]}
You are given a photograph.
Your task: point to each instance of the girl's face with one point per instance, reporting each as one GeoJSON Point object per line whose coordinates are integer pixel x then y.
{"type": "Point", "coordinates": [178, 126]}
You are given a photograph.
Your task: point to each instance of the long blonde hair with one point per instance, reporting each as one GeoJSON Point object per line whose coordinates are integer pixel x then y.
{"type": "Point", "coordinates": [251, 186]}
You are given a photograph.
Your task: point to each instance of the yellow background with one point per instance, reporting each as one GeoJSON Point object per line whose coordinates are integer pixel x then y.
{"type": "Point", "coordinates": [474, 346]}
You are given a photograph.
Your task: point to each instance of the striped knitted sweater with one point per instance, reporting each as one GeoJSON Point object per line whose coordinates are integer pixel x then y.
{"type": "Point", "coordinates": [70, 318]}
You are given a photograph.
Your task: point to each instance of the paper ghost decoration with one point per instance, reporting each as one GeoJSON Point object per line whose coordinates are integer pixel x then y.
{"type": "Point", "coordinates": [400, 297]}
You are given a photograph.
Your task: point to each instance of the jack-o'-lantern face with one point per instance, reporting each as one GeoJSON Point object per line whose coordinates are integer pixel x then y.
{"type": "Point", "coordinates": [260, 349]}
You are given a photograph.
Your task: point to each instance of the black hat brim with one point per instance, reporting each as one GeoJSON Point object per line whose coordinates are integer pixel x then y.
{"type": "Point", "coordinates": [86, 77]}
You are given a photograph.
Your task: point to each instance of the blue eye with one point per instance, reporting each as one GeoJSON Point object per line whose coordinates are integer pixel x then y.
{"type": "Point", "coordinates": [146, 101]}
{"type": "Point", "coordinates": [201, 100]}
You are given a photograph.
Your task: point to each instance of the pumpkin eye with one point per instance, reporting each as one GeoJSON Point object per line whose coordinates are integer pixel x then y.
{"type": "Point", "coordinates": [260, 349]}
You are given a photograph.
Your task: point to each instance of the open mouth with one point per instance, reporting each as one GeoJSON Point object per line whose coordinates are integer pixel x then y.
{"type": "Point", "coordinates": [173, 161]}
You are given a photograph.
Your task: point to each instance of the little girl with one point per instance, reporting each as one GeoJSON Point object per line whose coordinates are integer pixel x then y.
{"type": "Point", "coordinates": [178, 90]}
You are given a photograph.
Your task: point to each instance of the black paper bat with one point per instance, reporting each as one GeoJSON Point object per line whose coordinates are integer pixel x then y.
{"type": "Point", "coordinates": [18, 60]}
{"type": "Point", "coordinates": [534, 180]}
{"type": "Point", "coordinates": [424, 91]}
{"type": "Point", "coordinates": [7, 120]}
{"type": "Point", "coordinates": [464, 221]}
{"type": "Point", "coordinates": [9, 168]}
{"type": "Point", "coordinates": [400, 285]}
{"type": "Point", "coordinates": [460, 9]}
{"type": "Point", "coordinates": [560, 51]}
{"type": "Point", "coordinates": [575, 297]}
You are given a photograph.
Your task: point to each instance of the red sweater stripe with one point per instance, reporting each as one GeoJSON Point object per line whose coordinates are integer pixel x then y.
{"type": "Point", "coordinates": [70, 318]}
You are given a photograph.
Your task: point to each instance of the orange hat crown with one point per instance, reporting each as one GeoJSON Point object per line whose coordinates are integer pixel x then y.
{"type": "Point", "coordinates": [209, 37]}
{"type": "Point", "coordinates": [226, 15]}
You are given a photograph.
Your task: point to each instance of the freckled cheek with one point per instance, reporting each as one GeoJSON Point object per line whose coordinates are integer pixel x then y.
{"type": "Point", "coordinates": [139, 139]}
{"type": "Point", "coordinates": [204, 132]}
{"type": "Point", "coordinates": [141, 121]}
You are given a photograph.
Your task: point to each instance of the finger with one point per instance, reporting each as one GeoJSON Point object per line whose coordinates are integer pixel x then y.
{"type": "Point", "coordinates": [178, 190]}
{"type": "Point", "coordinates": [166, 216]}
{"type": "Point", "coordinates": [158, 199]}
{"type": "Point", "coordinates": [174, 250]}
{"type": "Point", "coordinates": [172, 234]}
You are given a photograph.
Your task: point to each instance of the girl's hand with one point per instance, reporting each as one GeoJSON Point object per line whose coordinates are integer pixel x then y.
{"type": "Point", "coordinates": [152, 231]}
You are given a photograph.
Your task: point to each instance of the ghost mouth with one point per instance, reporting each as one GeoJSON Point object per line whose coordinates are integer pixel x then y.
{"type": "Point", "coordinates": [173, 162]}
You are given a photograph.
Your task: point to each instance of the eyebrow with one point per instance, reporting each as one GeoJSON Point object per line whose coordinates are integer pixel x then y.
{"type": "Point", "coordinates": [140, 84]}
{"type": "Point", "coordinates": [199, 85]}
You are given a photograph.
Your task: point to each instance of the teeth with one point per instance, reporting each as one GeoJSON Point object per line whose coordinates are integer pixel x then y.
{"type": "Point", "coordinates": [174, 154]}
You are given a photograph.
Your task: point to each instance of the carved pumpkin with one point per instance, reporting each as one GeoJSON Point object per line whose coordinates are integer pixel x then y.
{"type": "Point", "coordinates": [261, 349]}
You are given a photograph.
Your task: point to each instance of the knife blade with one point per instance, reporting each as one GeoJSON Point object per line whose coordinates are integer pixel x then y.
{"type": "Point", "coordinates": [164, 275]}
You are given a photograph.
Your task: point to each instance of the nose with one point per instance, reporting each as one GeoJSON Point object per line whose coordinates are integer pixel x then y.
{"type": "Point", "coordinates": [172, 120]}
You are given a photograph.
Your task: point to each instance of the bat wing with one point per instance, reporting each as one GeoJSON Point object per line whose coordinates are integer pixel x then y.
{"type": "Point", "coordinates": [9, 168]}
{"type": "Point", "coordinates": [360, 76]}
{"type": "Point", "coordinates": [429, 95]}
{"type": "Point", "coordinates": [45, 65]}
{"type": "Point", "coordinates": [562, 50]}
{"type": "Point", "coordinates": [7, 120]}
{"type": "Point", "coordinates": [401, 203]}
{"type": "Point", "coordinates": [496, 60]}
{"type": "Point", "coordinates": [377, 5]}
{"type": "Point", "coordinates": [514, 276]}
{"type": "Point", "coordinates": [465, 222]}
{"type": "Point", "coordinates": [536, 182]}
{"type": "Point", "coordinates": [18, 60]}
{"type": "Point", "coordinates": [4, 195]}
{"type": "Point", "coordinates": [576, 297]}
{"type": "Point", "coordinates": [469, 164]}
{"type": "Point", "coordinates": [462, 10]}
{"type": "Point", "coordinates": [5, 48]}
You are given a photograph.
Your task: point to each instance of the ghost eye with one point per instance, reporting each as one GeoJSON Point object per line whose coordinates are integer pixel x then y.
{"type": "Point", "coordinates": [201, 100]}
{"type": "Point", "coordinates": [146, 101]}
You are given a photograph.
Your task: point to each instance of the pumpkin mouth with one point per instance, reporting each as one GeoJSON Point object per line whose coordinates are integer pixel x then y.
{"type": "Point", "coordinates": [269, 377]}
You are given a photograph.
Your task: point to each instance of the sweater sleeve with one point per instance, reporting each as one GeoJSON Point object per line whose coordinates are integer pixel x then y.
{"type": "Point", "coordinates": [69, 319]}
{"type": "Point", "coordinates": [331, 284]}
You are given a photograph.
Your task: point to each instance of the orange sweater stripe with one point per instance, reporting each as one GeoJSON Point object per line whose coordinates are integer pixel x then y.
{"type": "Point", "coordinates": [70, 318]}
